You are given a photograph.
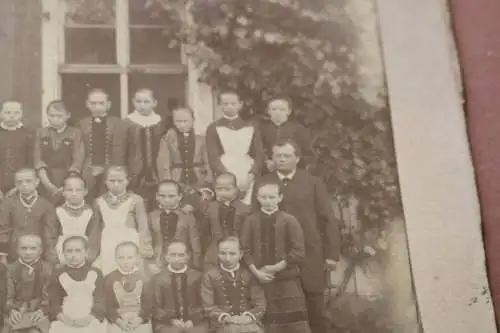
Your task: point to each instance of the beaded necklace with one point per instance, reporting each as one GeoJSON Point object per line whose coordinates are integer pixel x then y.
{"type": "Point", "coordinates": [28, 205]}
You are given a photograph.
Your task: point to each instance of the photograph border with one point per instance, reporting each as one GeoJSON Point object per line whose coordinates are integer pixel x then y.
{"type": "Point", "coordinates": [438, 189]}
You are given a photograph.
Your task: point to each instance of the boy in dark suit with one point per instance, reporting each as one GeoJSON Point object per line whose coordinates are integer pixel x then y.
{"type": "Point", "coordinates": [105, 140]}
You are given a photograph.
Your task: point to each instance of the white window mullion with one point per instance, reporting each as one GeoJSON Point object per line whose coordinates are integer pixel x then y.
{"type": "Point", "coordinates": [123, 51]}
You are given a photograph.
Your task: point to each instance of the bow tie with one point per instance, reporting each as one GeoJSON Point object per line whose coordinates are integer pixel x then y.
{"type": "Point", "coordinates": [98, 119]}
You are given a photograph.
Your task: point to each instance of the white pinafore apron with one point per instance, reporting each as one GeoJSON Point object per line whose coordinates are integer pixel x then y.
{"type": "Point", "coordinates": [71, 226]}
{"type": "Point", "coordinates": [78, 304]}
{"type": "Point", "coordinates": [115, 232]}
{"type": "Point", "coordinates": [236, 158]}
{"type": "Point", "coordinates": [129, 306]}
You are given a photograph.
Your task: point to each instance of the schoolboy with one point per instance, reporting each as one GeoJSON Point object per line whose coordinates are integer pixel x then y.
{"type": "Point", "coordinates": [232, 297]}
{"type": "Point", "coordinates": [16, 145]}
{"type": "Point", "coordinates": [59, 151]}
{"type": "Point", "coordinates": [27, 212]}
{"type": "Point", "coordinates": [28, 280]}
{"type": "Point", "coordinates": [104, 139]}
{"type": "Point", "coordinates": [177, 301]}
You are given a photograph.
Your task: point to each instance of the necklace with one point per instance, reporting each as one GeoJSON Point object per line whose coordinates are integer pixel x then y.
{"type": "Point", "coordinates": [29, 205]}
{"type": "Point", "coordinates": [75, 211]}
{"type": "Point", "coordinates": [114, 201]}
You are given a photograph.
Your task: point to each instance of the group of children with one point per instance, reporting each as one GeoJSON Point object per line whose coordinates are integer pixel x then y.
{"type": "Point", "coordinates": [161, 247]}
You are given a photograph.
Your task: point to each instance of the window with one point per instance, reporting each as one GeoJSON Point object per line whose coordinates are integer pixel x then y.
{"type": "Point", "coordinates": [120, 47]}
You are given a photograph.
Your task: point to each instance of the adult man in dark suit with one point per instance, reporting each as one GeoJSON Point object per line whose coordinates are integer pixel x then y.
{"type": "Point", "coordinates": [306, 198]}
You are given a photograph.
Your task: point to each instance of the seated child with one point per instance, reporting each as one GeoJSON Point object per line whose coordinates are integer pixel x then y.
{"type": "Point", "coordinates": [16, 145]}
{"type": "Point", "coordinates": [182, 156]}
{"type": "Point", "coordinates": [273, 245]}
{"type": "Point", "coordinates": [58, 151]}
{"type": "Point", "coordinates": [234, 145]}
{"type": "Point", "coordinates": [128, 302]}
{"type": "Point", "coordinates": [279, 127]}
{"type": "Point", "coordinates": [76, 218]}
{"type": "Point", "coordinates": [105, 141]}
{"type": "Point", "coordinates": [232, 297]}
{"type": "Point", "coordinates": [124, 218]}
{"type": "Point", "coordinates": [223, 217]}
{"type": "Point", "coordinates": [145, 129]}
{"type": "Point", "coordinates": [77, 298]}
{"type": "Point", "coordinates": [27, 213]}
{"type": "Point", "coordinates": [28, 279]}
{"type": "Point", "coordinates": [177, 302]}
{"type": "Point", "coordinates": [169, 222]}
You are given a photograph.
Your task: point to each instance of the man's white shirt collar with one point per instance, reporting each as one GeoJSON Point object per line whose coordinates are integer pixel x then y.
{"type": "Point", "coordinates": [289, 176]}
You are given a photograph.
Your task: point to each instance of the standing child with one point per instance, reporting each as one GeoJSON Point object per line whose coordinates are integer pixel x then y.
{"type": "Point", "coordinates": [124, 219]}
{"type": "Point", "coordinates": [128, 302]}
{"type": "Point", "coordinates": [77, 299]}
{"type": "Point", "coordinates": [28, 279]}
{"type": "Point", "coordinates": [182, 155]}
{"type": "Point", "coordinates": [169, 222]}
{"type": "Point", "coordinates": [234, 145]}
{"type": "Point", "coordinates": [145, 128]}
{"type": "Point", "coordinates": [177, 301]}
{"type": "Point", "coordinates": [232, 297]}
{"type": "Point", "coordinates": [16, 145]}
{"type": "Point", "coordinates": [223, 217]}
{"type": "Point", "coordinates": [59, 151]}
{"type": "Point", "coordinates": [76, 218]}
{"type": "Point", "coordinates": [279, 127]}
{"type": "Point", "coordinates": [27, 213]}
{"type": "Point", "coordinates": [104, 139]}
{"type": "Point", "coordinates": [274, 248]}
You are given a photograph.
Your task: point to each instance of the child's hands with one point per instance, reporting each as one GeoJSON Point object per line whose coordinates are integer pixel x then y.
{"type": "Point", "coordinates": [135, 322]}
{"type": "Point", "coordinates": [36, 316]}
{"type": "Point", "coordinates": [122, 324]}
{"type": "Point", "coordinates": [178, 323]}
{"type": "Point", "coordinates": [187, 209]}
{"type": "Point", "coordinates": [270, 165]}
{"type": "Point", "coordinates": [15, 317]}
{"type": "Point", "coordinates": [264, 276]}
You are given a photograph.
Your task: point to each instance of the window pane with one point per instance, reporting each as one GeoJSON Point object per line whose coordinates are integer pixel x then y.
{"type": "Point", "coordinates": [90, 12]}
{"type": "Point", "coordinates": [90, 46]}
{"type": "Point", "coordinates": [153, 46]}
{"type": "Point", "coordinates": [143, 12]}
{"type": "Point", "coordinates": [75, 88]}
{"type": "Point", "coordinates": [169, 90]}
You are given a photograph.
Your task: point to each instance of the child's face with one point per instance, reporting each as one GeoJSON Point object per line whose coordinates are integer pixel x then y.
{"type": "Point", "coordinates": [57, 118]}
{"type": "Point", "coordinates": [230, 104]}
{"type": "Point", "coordinates": [117, 182]}
{"type": "Point", "coordinates": [229, 254]}
{"type": "Point", "coordinates": [269, 197]}
{"type": "Point", "coordinates": [144, 102]}
{"type": "Point", "coordinates": [183, 120]}
{"type": "Point", "coordinates": [74, 191]}
{"type": "Point", "coordinates": [177, 256]}
{"type": "Point", "coordinates": [75, 252]}
{"type": "Point", "coordinates": [127, 258]}
{"type": "Point", "coordinates": [11, 113]}
{"type": "Point", "coordinates": [98, 103]}
{"type": "Point", "coordinates": [29, 248]}
{"type": "Point", "coordinates": [26, 182]}
{"type": "Point", "coordinates": [168, 196]}
{"type": "Point", "coordinates": [225, 189]}
{"type": "Point", "coordinates": [279, 111]}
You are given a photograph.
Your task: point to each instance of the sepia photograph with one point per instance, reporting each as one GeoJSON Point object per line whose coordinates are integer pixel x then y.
{"type": "Point", "coordinates": [192, 166]}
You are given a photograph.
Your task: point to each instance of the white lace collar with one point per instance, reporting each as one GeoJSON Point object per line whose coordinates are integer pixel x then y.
{"type": "Point", "coordinates": [144, 121]}
{"type": "Point", "coordinates": [175, 271]}
{"type": "Point", "coordinates": [231, 271]}
{"type": "Point", "coordinates": [11, 128]}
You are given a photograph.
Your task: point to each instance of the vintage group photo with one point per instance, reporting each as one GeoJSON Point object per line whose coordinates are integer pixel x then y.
{"type": "Point", "coordinates": [196, 166]}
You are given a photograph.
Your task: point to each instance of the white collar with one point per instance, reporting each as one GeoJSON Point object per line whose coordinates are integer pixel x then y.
{"type": "Point", "coordinates": [77, 267]}
{"type": "Point", "coordinates": [11, 128]}
{"type": "Point", "coordinates": [271, 212]}
{"type": "Point", "coordinates": [29, 266]}
{"type": "Point", "coordinates": [231, 118]}
{"type": "Point", "coordinates": [59, 130]}
{"type": "Point", "coordinates": [144, 121]}
{"type": "Point", "coordinates": [75, 207]}
{"type": "Point", "coordinates": [231, 271]}
{"type": "Point", "coordinates": [180, 271]}
{"type": "Point", "coordinates": [135, 270]}
{"type": "Point", "coordinates": [289, 176]}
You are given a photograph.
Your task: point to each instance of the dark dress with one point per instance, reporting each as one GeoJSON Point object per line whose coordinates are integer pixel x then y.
{"type": "Point", "coordinates": [267, 240]}
{"type": "Point", "coordinates": [16, 152]}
